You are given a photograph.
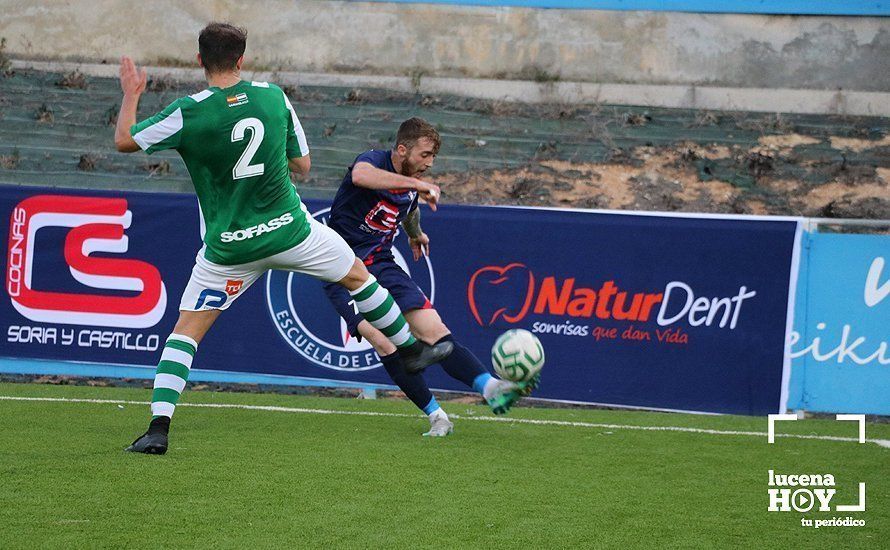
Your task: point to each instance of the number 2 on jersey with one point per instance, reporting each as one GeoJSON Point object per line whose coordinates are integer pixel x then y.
{"type": "Point", "coordinates": [243, 168]}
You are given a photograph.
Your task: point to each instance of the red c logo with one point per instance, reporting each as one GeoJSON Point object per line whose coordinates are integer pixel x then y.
{"type": "Point", "coordinates": [502, 276]}
{"type": "Point", "coordinates": [97, 226]}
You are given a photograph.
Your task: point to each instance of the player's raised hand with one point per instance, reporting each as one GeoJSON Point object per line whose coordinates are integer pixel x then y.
{"type": "Point", "coordinates": [420, 245]}
{"type": "Point", "coordinates": [133, 80]}
{"type": "Point", "coordinates": [429, 193]}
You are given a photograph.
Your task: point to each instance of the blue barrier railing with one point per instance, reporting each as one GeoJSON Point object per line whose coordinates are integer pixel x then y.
{"type": "Point", "coordinates": [767, 7]}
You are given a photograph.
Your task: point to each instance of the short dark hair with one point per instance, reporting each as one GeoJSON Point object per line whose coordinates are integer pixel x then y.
{"type": "Point", "coordinates": [415, 128]}
{"type": "Point", "coordinates": [220, 46]}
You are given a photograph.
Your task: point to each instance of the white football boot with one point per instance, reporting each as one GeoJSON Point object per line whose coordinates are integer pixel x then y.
{"type": "Point", "coordinates": [440, 425]}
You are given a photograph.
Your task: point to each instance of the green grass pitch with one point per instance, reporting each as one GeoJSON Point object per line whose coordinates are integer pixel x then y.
{"type": "Point", "coordinates": [241, 478]}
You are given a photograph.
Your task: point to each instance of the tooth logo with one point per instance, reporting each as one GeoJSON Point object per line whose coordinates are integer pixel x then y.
{"type": "Point", "coordinates": [493, 286]}
{"type": "Point", "coordinates": [874, 294]}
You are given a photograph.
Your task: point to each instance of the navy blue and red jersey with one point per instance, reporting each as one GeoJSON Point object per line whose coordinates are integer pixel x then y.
{"type": "Point", "coordinates": [368, 219]}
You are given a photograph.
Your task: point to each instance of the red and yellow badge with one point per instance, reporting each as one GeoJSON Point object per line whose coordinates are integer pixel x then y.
{"type": "Point", "coordinates": [237, 99]}
{"type": "Point", "coordinates": [233, 286]}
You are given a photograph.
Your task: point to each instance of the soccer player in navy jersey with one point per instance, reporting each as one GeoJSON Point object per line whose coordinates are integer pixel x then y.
{"type": "Point", "coordinates": [379, 193]}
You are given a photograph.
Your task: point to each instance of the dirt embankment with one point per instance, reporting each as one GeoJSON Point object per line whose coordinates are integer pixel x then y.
{"type": "Point", "coordinates": [772, 177]}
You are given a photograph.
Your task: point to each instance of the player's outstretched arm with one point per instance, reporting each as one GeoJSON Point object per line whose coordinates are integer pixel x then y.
{"type": "Point", "coordinates": [133, 84]}
{"type": "Point", "coordinates": [366, 175]}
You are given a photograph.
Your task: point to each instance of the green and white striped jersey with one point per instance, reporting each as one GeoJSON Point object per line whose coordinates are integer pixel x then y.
{"type": "Point", "coordinates": [235, 143]}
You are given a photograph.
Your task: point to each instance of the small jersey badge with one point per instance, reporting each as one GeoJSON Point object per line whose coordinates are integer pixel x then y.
{"type": "Point", "coordinates": [237, 99]}
{"type": "Point", "coordinates": [233, 286]}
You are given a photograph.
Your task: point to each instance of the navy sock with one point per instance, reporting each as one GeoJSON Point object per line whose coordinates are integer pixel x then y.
{"type": "Point", "coordinates": [413, 385]}
{"type": "Point", "coordinates": [463, 365]}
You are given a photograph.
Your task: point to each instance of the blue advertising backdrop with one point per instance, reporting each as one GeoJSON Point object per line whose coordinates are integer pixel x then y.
{"type": "Point", "coordinates": [681, 313]}
{"type": "Point", "coordinates": [841, 361]}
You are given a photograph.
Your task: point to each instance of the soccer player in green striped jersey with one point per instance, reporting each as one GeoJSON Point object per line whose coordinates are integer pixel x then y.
{"type": "Point", "coordinates": [239, 140]}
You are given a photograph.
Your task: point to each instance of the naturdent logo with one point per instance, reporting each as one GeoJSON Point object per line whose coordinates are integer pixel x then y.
{"type": "Point", "coordinates": [310, 325]}
{"type": "Point", "coordinates": [97, 225]}
{"type": "Point", "coordinates": [511, 292]}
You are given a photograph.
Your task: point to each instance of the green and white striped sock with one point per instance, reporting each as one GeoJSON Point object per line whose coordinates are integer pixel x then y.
{"type": "Point", "coordinates": [377, 306]}
{"type": "Point", "coordinates": [172, 374]}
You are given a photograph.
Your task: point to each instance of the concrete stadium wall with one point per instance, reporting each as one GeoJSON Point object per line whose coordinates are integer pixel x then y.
{"type": "Point", "coordinates": [800, 52]}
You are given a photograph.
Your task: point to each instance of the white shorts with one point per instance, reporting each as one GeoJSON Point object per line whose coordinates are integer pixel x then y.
{"type": "Point", "coordinates": [323, 254]}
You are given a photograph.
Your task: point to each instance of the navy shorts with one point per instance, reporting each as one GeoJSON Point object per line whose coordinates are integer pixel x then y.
{"type": "Point", "coordinates": [393, 278]}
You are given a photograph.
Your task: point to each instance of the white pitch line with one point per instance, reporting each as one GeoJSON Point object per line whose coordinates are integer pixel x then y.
{"type": "Point", "coordinates": [568, 423]}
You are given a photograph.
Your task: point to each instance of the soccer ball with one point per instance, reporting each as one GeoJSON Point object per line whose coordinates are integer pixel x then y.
{"type": "Point", "coordinates": [517, 355]}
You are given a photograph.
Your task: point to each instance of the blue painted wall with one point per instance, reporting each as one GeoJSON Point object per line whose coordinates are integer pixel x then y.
{"type": "Point", "coordinates": [791, 7]}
